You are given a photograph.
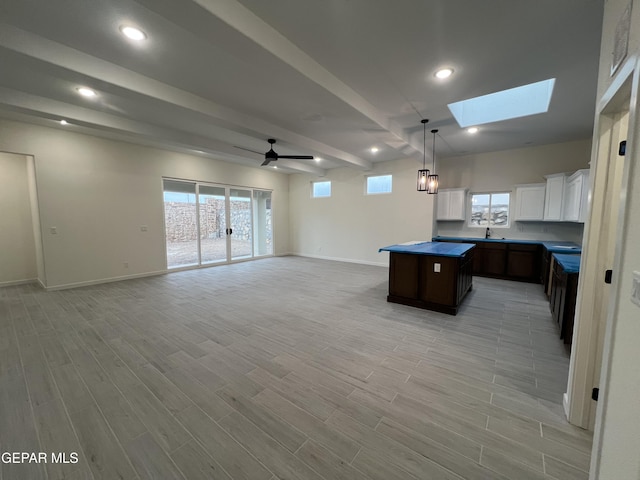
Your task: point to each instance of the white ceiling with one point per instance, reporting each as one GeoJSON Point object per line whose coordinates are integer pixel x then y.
{"type": "Point", "coordinates": [329, 78]}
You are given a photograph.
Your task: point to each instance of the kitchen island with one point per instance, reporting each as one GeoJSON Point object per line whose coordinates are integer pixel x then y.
{"type": "Point", "coordinates": [430, 275]}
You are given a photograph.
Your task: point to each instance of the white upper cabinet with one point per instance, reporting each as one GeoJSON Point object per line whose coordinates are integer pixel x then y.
{"type": "Point", "coordinates": [530, 202]}
{"type": "Point", "coordinates": [452, 204]}
{"type": "Point", "coordinates": [554, 197]}
{"type": "Point", "coordinates": [576, 197]}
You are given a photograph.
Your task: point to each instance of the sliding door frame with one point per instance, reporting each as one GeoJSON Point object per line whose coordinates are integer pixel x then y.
{"type": "Point", "coordinates": [228, 187]}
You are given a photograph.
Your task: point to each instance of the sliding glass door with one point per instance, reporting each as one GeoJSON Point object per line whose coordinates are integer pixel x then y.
{"type": "Point", "coordinates": [181, 224]}
{"type": "Point", "coordinates": [213, 223]}
{"type": "Point", "coordinates": [207, 224]}
{"type": "Point", "coordinates": [263, 227]}
{"type": "Point", "coordinates": [241, 223]}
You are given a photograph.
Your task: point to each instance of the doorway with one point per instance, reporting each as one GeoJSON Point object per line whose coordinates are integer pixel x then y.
{"type": "Point", "coordinates": [207, 224]}
{"type": "Point", "coordinates": [600, 246]}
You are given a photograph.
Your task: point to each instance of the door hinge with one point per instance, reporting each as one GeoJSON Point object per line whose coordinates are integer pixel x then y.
{"type": "Point", "coordinates": [607, 276]}
{"type": "Point", "coordinates": [594, 394]}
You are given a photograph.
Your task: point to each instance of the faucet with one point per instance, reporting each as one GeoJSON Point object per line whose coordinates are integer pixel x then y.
{"type": "Point", "coordinates": [488, 233]}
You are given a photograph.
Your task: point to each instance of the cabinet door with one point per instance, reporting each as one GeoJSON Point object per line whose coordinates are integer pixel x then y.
{"type": "Point", "coordinates": [443, 201]}
{"type": "Point", "coordinates": [530, 202]}
{"type": "Point", "coordinates": [495, 260]}
{"type": "Point", "coordinates": [554, 197]}
{"type": "Point", "coordinates": [572, 199]}
{"type": "Point", "coordinates": [457, 204]}
{"type": "Point", "coordinates": [523, 262]}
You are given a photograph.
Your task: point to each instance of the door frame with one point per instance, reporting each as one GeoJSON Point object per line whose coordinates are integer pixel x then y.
{"type": "Point", "coordinates": [227, 188]}
{"type": "Point", "coordinates": [622, 95]}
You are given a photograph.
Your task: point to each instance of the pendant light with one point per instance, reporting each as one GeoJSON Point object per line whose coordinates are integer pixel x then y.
{"type": "Point", "coordinates": [432, 182]}
{"type": "Point", "coordinates": [423, 175]}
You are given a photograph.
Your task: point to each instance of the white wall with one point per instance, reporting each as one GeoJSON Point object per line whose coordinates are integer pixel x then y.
{"type": "Point", "coordinates": [35, 219]}
{"type": "Point", "coordinates": [17, 246]}
{"type": "Point", "coordinates": [500, 171]}
{"type": "Point", "coordinates": [98, 192]}
{"type": "Point", "coordinates": [350, 225]}
{"type": "Point", "coordinates": [617, 434]}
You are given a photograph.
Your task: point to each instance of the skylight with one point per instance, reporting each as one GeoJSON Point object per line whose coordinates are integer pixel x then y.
{"type": "Point", "coordinates": [513, 103]}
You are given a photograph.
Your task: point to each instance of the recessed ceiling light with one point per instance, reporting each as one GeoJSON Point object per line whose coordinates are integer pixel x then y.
{"type": "Point", "coordinates": [86, 92]}
{"type": "Point", "coordinates": [64, 122]}
{"type": "Point", "coordinates": [133, 33]}
{"type": "Point", "coordinates": [444, 73]}
{"type": "Point", "coordinates": [472, 130]}
{"type": "Point", "coordinates": [318, 159]}
{"type": "Point", "coordinates": [375, 149]}
{"type": "Point", "coordinates": [275, 167]}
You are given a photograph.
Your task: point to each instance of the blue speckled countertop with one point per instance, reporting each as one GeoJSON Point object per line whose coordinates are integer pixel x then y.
{"type": "Point", "coordinates": [552, 246]}
{"type": "Point", "coordinates": [438, 249]}
{"type": "Point", "coordinates": [562, 247]}
{"type": "Point", "coordinates": [569, 263]}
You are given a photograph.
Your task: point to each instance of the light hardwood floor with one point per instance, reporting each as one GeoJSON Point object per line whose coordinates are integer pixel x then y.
{"type": "Point", "coordinates": [284, 368]}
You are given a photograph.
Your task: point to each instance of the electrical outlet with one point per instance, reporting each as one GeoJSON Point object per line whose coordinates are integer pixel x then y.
{"type": "Point", "coordinates": [436, 267]}
{"type": "Point", "coordinates": [143, 228]}
{"type": "Point", "coordinates": [635, 288]}
{"type": "Point", "coordinates": [53, 230]}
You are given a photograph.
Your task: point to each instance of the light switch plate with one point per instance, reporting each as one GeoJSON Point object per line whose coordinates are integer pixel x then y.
{"type": "Point", "coordinates": [635, 288]}
{"type": "Point", "coordinates": [436, 267]}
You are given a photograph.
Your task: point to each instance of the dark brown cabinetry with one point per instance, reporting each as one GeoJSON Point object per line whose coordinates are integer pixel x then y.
{"type": "Point", "coordinates": [562, 300]}
{"type": "Point", "coordinates": [523, 262]}
{"type": "Point", "coordinates": [507, 260]}
{"type": "Point", "coordinates": [430, 282]}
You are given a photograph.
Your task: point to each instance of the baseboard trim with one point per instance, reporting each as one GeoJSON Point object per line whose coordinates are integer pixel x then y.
{"type": "Point", "coordinates": [339, 259]}
{"type": "Point", "coordinates": [11, 283]}
{"type": "Point", "coordinates": [105, 280]}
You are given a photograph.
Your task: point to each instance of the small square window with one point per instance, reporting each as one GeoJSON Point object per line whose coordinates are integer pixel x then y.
{"type": "Point", "coordinates": [489, 210]}
{"type": "Point", "coordinates": [321, 189]}
{"type": "Point", "coordinates": [379, 184]}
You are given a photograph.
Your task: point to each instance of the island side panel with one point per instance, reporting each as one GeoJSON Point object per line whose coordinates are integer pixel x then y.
{"type": "Point", "coordinates": [403, 275]}
{"type": "Point", "coordinates": [438, 287]}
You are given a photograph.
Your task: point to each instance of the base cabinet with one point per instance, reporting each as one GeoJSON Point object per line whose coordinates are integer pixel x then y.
{"type": "Point", "coordinates": [506, 260]}
{"type": "Point", "coordinates": [415, 281]}
{"type": "Point", "coordinates": [523, 262]}
{"type": "Point", "coordinates": [562, 300]}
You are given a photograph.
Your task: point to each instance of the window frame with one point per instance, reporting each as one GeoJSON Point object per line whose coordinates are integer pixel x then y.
{"type": "Point", "coordinates": [314, 182]}
{"type": "Point", "coordinates": [366, 183]}
{"type": "Point", "coordinates": [491, 194]}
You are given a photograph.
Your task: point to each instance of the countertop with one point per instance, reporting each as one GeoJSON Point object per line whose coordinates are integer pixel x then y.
{"type": "Point", "coordinates": [562, 247]}
{"type": "Point", "coordinates": [438, 249]}
{"type": "Point", "coordinates": [552, 246]}
{"type": "Point", "coordinates": [569, 263]}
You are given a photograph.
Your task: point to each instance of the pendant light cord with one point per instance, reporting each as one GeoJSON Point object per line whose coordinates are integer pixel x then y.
{"type": "Point", "coordinates": [434, 131]}
{"type": "Point", "coordinates": [424, 142]}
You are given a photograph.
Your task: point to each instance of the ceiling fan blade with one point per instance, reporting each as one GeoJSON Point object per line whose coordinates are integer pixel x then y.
{"type": "Point", "coordinates": [266, 162]}
{"type": "Point", "coordinates": [297, 157]}
{"type": "Point", "coordinates": [249, 150]}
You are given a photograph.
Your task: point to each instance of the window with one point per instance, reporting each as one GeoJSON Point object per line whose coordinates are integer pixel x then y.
{"type": "Point", "coordinates": [489, 210]}
{"type": "Point", "coordinates": [321, 189]}
{"type": "Point", "coordinates": [378, 184]}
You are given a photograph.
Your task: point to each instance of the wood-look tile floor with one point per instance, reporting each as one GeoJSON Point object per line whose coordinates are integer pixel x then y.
{"type": "Point", "coordinates": [283, 368]}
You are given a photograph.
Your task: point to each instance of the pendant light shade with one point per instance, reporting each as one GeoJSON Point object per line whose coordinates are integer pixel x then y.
{"type": "Point", "coordinates": [432, 181]}
{"type": "Point", "coordinates": [423, 175]}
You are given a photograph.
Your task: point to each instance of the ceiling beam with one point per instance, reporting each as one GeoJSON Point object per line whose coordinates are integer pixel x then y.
{"type": "Point", "coordinates": [116, 125]}
{"type": "Point", "coordinates": [253, 27]}
{"type": "Point", "coordinates": [49, 51]}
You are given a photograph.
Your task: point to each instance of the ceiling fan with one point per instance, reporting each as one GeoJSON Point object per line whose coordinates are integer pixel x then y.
{"type": "Point", "coordinates": [272, 156]}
